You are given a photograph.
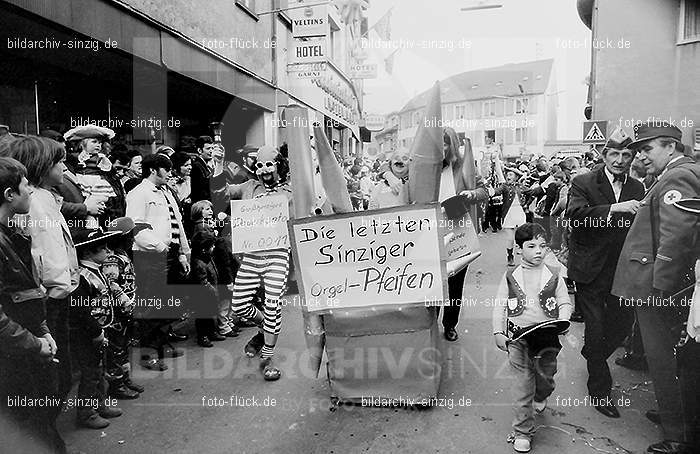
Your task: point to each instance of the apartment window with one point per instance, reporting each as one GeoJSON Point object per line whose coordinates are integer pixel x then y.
{"type": "Point", "coordinates": [689, 23]}
{"type": "Point", "coordinates": [471, 110]}
{"type": "Point", "coordinates": [520, 135]}
{"type": "Point", "coordinates": [460, 112]}
{"type": "Point", "coordinates": [248, 6]}
{"type": "Point", "coordinates": [521, 105]}
{"type": "Point", "coordinates": [489, 109]}
{"type": "Point", "coordinates": [509, 136]}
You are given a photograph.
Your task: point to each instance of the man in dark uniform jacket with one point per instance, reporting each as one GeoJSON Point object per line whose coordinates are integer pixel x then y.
{"type": "Point", "coordinates": [601, 207]}
{"type": "Point", "coordinates": [655, 264]}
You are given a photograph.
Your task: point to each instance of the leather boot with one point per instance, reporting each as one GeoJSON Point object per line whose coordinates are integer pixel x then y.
{"type": "Point", "coordinates": [92, 421]}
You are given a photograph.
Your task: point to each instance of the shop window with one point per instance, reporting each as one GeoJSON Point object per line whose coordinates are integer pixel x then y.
{"type": "Point", "coordinates": [689, 23]}
{"type": "Point", "coordinates": [249, 7]}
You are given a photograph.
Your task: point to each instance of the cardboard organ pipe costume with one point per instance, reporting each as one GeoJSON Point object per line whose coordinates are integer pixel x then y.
{"type": "Point", "coordinates": [389, 330]}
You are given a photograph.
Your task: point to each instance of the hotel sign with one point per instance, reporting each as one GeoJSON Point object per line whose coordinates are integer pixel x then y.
{"type": "Point", "coordinates": [307, 70]}
{"type": "Point", "coordinates": [311, 51]}
{"type": "Point", "coordinates": [374, 123]}
{"type": "Point", "coordinates": [363, 71]}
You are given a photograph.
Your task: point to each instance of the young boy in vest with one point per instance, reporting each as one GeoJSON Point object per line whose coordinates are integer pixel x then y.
{"type": "Point", "coordinates": [530, 295]}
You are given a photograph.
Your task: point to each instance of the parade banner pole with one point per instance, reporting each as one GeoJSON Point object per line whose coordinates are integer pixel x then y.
{"type": "Point", "coordinates": [305, 205]}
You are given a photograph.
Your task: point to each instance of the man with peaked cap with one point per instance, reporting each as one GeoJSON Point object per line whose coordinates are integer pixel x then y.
{"type": "Point", "coordinates": [655, 264]}
{"type": "Point", "coordinates": [601, 207]}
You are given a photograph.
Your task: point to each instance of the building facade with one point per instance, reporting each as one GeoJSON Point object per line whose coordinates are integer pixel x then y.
{"type": "Point", "coordinates": [515, 105]}
{"type": "Point", "coordinates": [646, 68]}
{"type": "Point", "coordinates": [163, 71]}
{"type": "Point", "coordinates": [387, 139]}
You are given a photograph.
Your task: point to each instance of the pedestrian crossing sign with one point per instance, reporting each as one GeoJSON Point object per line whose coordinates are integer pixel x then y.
{"type": "Point", "coordinates": [594, 131]}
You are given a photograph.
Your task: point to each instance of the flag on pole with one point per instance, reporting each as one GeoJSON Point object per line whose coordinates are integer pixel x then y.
{"type": "Point", "coordinates": [389, 63]}
{"type": "Point", "coordinates": [351, 9]}
{"type": "Point", "coordinates": [383, 26]}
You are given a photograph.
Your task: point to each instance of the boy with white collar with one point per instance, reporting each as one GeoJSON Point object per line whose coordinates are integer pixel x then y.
{"type": "Point", "coordinates": [532, 309]}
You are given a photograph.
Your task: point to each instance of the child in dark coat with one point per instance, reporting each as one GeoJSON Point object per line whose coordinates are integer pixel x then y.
{"type": "Point", "coordinates": [205, 295]}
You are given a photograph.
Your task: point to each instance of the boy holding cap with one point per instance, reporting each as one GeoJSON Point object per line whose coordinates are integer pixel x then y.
{"type": "Point", "coordinates": [533, 308]}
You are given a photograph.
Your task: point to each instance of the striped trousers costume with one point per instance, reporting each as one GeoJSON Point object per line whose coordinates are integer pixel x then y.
{"type": "Point", "coordinates": [269, 268]}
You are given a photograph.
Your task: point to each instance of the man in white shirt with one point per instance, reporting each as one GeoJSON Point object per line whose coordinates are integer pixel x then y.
{"type": "Point", "coordinates": [161, 252]}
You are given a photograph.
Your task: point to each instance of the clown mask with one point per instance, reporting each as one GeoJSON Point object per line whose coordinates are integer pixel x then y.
{"type": "Point", "coordinates": [399, 163]}
{"type": "Point", "coordinates": [266, 166]}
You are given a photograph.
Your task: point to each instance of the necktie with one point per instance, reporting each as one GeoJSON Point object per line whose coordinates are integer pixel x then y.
{"type": "Point", "coordinates": [621, 177]}
{"type": "Point", "coordinates": [174, 225]}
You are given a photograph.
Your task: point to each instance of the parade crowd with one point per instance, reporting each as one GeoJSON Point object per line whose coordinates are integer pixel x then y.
{"type": "Point", "coordinates": [105, 249]}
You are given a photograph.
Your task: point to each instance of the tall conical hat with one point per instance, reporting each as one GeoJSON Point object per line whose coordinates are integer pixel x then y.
{"type": "Point", "coordinates": [426, 151]}
{"type": "Point", "coordinates": [331, 174]}
{"type": "Point", "coordinates": [305, 205]}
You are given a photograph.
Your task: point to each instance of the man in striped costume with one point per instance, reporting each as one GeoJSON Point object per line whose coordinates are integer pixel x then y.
{"type": "Point", "coordinates": [268, 268]}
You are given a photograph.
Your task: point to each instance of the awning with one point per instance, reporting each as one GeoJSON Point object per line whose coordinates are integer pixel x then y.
{"type": "Point", "coordinates": [183, 58]}
{"type": "Point", "coordinates": [146, 40]}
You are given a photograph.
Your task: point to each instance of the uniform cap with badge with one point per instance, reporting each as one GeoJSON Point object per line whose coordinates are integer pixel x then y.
{"type": "Point", "coordinates": [651, 130]}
